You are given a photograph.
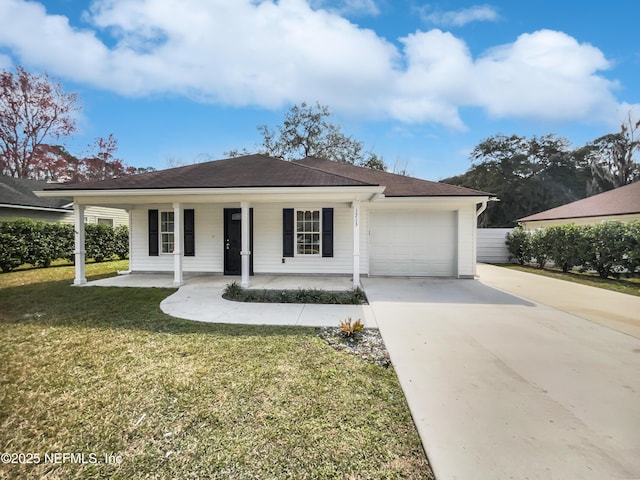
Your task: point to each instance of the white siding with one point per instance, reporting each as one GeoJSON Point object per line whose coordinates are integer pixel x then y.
{"type": "Point", "coordinates": [139, 259]}
{"type": "Point", "coordinates": [467, 222]}
{"type": "Point", "coordinates": [267, 242]}
{"type": "Point", "coordinates": [491, 245]}
{"type": "Point", "coordinates": [451, 250]}
{"type": "Point", "coordinates": [92, 214]}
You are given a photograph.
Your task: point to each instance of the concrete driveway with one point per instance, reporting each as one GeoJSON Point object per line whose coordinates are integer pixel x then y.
{"type": "Point", "coordinates": [504, 387]}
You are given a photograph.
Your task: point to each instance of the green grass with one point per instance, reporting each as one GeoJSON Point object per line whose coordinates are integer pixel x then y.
{"type": "Point", "coordinates": [27, 275]}
{"type": "Point", "coordinates": [103, 371]}
{"type": "Point", "coordinates": [629, 286]}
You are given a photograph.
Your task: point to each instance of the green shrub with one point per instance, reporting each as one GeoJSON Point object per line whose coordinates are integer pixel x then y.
{"type": "Point", "coordinates": [605, 247]}
{"type": "Point", "coordinates": [39, 243]}
{"type": "Point", "coordinates": [566, 246]}
{"type": "Point", "coordinates": [519, 246]}
{"type": "Point", "coordinates": [631, 259]}
{"type": "Point", "coordinates": [99, 241]}
{"type": "Point", "coordinates": [233, 291]}
{"type": "Point", "coordinates": [121, 241]}
{"type": "Point", "coordinates": [540, 247]}
{"type": "Point", "coordinates": [14, 246]}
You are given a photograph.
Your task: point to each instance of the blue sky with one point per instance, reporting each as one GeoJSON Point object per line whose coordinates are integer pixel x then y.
{"type": "Point", "coordinates": [420, 83]}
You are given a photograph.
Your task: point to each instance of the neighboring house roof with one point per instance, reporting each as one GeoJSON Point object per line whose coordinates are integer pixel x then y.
{"type": "Point", "coordinates": [18, 192]}
{"type": "Point", "coordinates": [265, 171]}
{"type": "Point", "coordinates": [620, 201]}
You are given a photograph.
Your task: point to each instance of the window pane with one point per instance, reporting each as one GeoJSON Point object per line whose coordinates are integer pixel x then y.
{"type": "Point", "coordinates": [308, 232]}
{"type": "Point", "coordinates": [166, 232]}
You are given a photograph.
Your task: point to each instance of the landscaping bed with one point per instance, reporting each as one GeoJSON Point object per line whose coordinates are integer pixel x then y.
{"type": "Point", "coordinates": [237, 293]}
{"type": "Point", "coordinates": [367, 344]}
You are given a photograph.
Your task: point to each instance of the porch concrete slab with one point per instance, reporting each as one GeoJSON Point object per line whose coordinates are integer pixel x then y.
{"type": "Point", "coordinates": [504, 387]}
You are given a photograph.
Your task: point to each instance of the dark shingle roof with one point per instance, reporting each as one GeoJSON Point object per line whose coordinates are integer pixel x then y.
{"type": "Point", "coordinates": [620, 201]}
{"type": "Point", "coordinates": [246, 171]}
{"type": "Point", "coordinates": [396, 185]}
{"type": "Point", "coordinates": [19, 192]}
{"type": "Point", "coordinates": [265, 171]}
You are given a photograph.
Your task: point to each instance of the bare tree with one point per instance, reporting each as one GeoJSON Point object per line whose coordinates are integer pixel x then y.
{"type": "Point", "coordinates": [32, 110]}
{"type": "Point", "coordinates": [307, 131]}
{"type": "Point", "coordinates": [612, 156]}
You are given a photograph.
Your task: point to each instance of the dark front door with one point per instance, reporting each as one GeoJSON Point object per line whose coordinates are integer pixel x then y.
{"type": "Point", "coordinates": [233, 241]}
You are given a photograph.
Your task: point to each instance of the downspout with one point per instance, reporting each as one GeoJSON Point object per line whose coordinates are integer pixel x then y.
{"type": "Point", "coordinates": [483, 207]}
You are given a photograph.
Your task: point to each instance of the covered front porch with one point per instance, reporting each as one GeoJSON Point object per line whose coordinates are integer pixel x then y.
{"type": "Point", "coordinates": [195, 234]}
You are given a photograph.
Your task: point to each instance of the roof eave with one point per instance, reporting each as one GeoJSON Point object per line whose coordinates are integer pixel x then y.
{"type": "Point", "coordinates": [598, 215]}
{"type": "Point", "coordinates": [29, 207]}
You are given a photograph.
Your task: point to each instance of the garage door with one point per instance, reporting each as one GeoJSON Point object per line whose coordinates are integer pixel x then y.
{"type": "Point", "coordinates": [410, 243]}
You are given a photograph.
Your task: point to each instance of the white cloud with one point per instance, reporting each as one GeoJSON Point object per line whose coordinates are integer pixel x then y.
{"type": "Point", "coordinates": [252, 52]}
{"type": "Point", "coordinates": [348, 7]}
{"type": "Point", "coordinates": [459, 18]}
{"type": "Point", "coordinates": [545, 74]}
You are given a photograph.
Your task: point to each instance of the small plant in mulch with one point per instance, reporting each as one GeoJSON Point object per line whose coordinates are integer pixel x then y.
{"type": "Point", "coordinates": [351, 337]}
{"type": "Point", "coordinates": [232, 290]}
{"type": "Point", "coordinates": [349, 328]}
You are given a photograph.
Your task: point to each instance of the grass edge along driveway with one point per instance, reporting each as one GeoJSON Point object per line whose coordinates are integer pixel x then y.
{"type": "Point", "coordinates": [103, 374]}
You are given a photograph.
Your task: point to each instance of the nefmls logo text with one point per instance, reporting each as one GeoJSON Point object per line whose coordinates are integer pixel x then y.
{"type": "Point", "coordinates": [66, 457]}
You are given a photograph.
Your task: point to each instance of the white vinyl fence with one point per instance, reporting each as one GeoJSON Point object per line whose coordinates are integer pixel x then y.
{"type": "Point", "coordinates": [491, 245]}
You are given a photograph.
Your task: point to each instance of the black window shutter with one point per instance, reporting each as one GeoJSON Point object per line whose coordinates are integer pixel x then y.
{"type": "Point", "coordinates": [288, 232]}
{"type": "Point", "coordinates": [154, 242]}
{"type": "Point", "coordinates": [327, 232]}
{"type": "Point", "coordinates": [189, 233]}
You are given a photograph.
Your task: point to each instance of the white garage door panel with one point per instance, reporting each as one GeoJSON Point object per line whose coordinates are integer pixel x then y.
{"type": "Point", "coordinates": [412, 243]}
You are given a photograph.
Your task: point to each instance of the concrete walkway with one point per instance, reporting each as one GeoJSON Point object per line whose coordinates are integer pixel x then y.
{"type": "Point", "coordinates": [200, 299]}
{"type": "Point", "coordinates": [614, 310]}
{"type": "Point", "coordinates": [507, 387]}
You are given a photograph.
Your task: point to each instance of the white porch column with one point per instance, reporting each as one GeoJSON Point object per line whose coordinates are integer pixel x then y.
{"type": "Point", "coordinates": [130, 229]}
{"type": "Point", "coordinates": [178, 278]}
{"type": "Point", "coordinates": [245, 252]}
{"type": "Point", "coordinates": [355, 206]}
{"type": "Point", "coordinates": [79, 249]}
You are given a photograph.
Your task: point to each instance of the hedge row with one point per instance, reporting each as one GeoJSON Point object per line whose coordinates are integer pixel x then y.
{"type": "Point", "coordinates": [23, 241]}
{"type": "Point", "coordinates": [609, 248]}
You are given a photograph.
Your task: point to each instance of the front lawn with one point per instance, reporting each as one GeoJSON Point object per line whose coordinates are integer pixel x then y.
{"type": "Point", "coordinates": [630, 286]}
{"type": "Point", "coordinates": [102, 371]}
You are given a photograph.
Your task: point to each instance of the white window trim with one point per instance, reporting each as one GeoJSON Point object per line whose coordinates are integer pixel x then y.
{"type": "Point", "coordinates": [296, 233]}
{"type": "Point", "coordinates": [163, 232]}
{"type": "Point", "coordinates": [113, 223]}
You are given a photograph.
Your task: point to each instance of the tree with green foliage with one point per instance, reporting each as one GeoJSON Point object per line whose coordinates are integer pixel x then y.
{"type": "Point", "coordinates": [527, 175]}
{"type": "Point", "coordinates": [308, 131]}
